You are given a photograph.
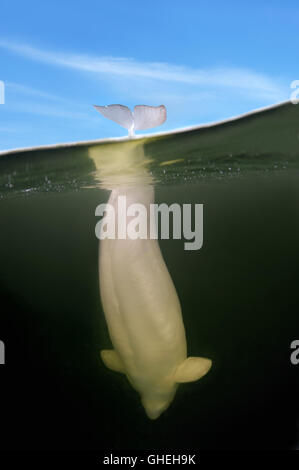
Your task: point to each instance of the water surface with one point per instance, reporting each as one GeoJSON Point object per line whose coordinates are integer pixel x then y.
{"type": "Point", "coordinates": [239, 293]}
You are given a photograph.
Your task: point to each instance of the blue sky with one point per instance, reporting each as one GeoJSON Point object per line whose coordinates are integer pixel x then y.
{"type": "Point", "coordinates": [204, 60]}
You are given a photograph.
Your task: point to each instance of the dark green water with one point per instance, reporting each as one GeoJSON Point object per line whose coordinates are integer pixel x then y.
{"type": "Point", "coordinates": [239, 294]}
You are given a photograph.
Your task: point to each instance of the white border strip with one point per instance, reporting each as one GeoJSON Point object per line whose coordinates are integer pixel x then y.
{"type": "Point", "coordinates": [141, 136]}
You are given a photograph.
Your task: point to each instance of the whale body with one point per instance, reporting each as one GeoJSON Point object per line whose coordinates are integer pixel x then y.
{"type": "Point", "coordinates": [143, 314]}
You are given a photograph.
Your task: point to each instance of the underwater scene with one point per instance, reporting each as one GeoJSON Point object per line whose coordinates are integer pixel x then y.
{"type": "Point", "coordinates": [230, 306]}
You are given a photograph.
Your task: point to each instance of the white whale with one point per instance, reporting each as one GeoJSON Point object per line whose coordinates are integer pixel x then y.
{"type": "Point", "coordinates": [140, 303]}
{"type": "Point", "coordinates": [143, 314]}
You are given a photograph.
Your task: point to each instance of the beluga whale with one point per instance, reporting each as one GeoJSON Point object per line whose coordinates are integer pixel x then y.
{"type": "Point", "coordinates": [140, 302]}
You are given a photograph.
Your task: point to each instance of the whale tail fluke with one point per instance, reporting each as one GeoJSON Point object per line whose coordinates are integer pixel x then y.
{"type": "Point", "coordinates": [147, 117]}
{"type": "Point", "coordinates": [192, 369]}
{"type": "Point", "coordinates": [143, 116]}
{"type": "Point", "coordinates": [118, 113]}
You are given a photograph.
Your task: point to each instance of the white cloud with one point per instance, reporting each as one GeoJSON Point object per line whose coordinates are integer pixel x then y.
{"type": "Point", "coordinates": [42, 103]}
{"type": "Point", "coordinates": [26, 90]}
{"type": "Point", "coordinates": [245, 81]}
{"type": "Point", "coordinates": [46, 110]}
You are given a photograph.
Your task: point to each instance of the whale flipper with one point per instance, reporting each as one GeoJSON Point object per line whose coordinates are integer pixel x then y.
{"type": "Point", "coordinates": [193, 368]}
{"type": "Point", "coordinates": [112, 360]}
